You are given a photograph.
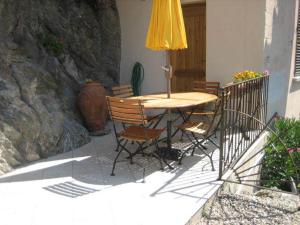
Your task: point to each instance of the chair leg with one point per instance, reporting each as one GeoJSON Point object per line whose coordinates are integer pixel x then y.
{"type": "Point", "coordinates": [181, 137]}
{"type": "Point", "coordinates": [140, 149]}
{"type": "Point", "coordinates": [117, 148]}
{"type": "Point", "coordinates": [211, 141]}
{"type": "Point", "coordinates": [114, 165]}
{"type": "Point", "coordinates": [157, 155]}
{"type": "Point", "coordinates": [123, 148]}
{"type": "Point", "coordinates": [129, 153]}
{"type": "Point", "coordinates": [204, 152]}
{"type": "Point", "coordinates": [200, 143]}
{"type": "Point", "coordinates": [211, 161]}
{"type": "Point", "coordinates": [144, 173]}
{"type": "Point", "coordinates": [184, 152]}
{"type": "Point", "coordinates": [119, 144]}
{"type": "Point", "coordinates": [192, 154]}
{"type": "Point", "coordinates": [200, 146]}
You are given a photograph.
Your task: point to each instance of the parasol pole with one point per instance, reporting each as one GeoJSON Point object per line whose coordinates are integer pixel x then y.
{"type": "Point", "coordinates": [168, 74]}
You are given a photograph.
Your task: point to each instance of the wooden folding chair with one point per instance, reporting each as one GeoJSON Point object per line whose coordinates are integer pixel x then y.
{"type": "Point", "coordinates": [199, 132]}
{"type": "Point", "coordinates": [125, 91]}
{"type": "Point", "coordinates": [210, 87]}
{"type": "Point", "coordinates": [132, 113]}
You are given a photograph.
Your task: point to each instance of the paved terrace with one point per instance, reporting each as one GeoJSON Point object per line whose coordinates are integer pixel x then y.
{"type": "Point", "coordinates": [76, 188]}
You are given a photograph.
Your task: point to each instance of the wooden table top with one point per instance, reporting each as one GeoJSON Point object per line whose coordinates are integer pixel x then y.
{"type": "Point", "coordinates": [177, 100]}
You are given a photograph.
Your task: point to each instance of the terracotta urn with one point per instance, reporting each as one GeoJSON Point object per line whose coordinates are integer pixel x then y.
{"type": "Point", "coordinates": [93, 106]}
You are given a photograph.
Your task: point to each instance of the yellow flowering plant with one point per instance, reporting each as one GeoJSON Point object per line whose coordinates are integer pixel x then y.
{"type": "Point", "coordinates": [247, 75]}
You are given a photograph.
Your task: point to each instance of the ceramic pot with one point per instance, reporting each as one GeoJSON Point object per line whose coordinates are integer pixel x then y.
{"type": "Point", "coordinates": [93, 106]}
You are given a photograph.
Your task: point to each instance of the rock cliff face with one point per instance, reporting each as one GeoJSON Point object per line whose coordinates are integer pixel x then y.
{"type": "Point", "coordinates": [48, 48]}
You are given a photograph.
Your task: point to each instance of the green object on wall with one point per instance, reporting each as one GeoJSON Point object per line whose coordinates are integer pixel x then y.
{"type": "Point", "coordinates": [137, 78]}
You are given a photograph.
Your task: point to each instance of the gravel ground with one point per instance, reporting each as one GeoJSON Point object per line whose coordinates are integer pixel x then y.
{"type": "Point", "coordinates": [264, 207]}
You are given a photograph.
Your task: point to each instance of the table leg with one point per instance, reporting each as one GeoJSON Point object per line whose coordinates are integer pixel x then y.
{"type": "Point", "coordinates": [168, 152]}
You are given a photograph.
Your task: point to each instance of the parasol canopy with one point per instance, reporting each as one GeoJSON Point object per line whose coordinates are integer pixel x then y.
{"type": "Point", "coordinates": [166, 29]}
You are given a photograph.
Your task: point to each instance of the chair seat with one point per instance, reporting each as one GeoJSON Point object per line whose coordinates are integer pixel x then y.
{"type": "Point", "coordinates": [208, 110]}
{"type": "Point", "coordinates": [195, 127]}
{"type": "Point", "coordinates": [141, 134]}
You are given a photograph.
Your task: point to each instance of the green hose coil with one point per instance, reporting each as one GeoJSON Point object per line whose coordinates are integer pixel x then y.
{"type": "Point", "coordinates": [137, 78]}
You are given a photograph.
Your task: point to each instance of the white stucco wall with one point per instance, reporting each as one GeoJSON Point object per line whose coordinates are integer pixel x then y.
{"type": "Point", "coordinates": [235, 32]}
{"type": "Point", "coordinates": [134, 17]}
{"type": "Point", "coordinates": [280, 28]}
{"type": "Point", "coordinates": [241, 34]}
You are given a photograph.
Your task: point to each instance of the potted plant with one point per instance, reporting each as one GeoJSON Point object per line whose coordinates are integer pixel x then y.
{"type": "Point", "coordinates": [247, 75]}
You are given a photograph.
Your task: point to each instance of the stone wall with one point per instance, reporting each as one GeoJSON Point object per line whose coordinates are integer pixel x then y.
{"type": "Point", "coordinates": [47, 50]}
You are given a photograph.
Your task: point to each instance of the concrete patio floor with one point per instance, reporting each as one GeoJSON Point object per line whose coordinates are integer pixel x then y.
{"type": "Point", "coordinates": [76, 188]}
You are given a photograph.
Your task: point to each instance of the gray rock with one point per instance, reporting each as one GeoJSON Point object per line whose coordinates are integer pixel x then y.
{"type": "Point", "coordinates": [265, 207]}
{"type": "Point", "coordinates": [47, 50]}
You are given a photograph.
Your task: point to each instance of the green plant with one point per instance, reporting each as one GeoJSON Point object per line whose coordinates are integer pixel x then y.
{"type": "Point", "coordinates": [279, 164]}
{"type": "Point", "coordinates": [53, 44]}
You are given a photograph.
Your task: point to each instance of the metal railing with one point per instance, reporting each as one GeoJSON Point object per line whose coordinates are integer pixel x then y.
{"type": "Point", "coordinates": [244, 115]}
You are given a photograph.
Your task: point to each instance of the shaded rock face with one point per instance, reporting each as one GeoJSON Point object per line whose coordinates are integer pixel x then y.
{"type": "Point", "coordinates": [48, 48]}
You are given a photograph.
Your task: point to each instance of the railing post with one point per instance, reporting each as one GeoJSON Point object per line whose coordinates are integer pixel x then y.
{"type": "Point", "coordinates": [222, 134]}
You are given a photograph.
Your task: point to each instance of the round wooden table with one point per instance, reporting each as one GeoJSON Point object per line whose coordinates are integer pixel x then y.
{"type": "Point", "coordinates": [176, 101]}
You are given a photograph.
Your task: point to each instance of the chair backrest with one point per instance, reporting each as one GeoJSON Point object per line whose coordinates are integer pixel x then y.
{"type": "Point", "coordinates": [122, 91]}
{"type": "Point", "coordinates": [127, 111]}
{"type": "Point", "coordinates": [211, 87]}
{"type": "Point", "coordinates": [216, 119]}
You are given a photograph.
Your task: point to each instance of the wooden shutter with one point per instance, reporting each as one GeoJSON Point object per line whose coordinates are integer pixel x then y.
{"type": "Point", "coordinates": [297, 60]}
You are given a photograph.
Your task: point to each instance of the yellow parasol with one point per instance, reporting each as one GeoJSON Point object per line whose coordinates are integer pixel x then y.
{"type": "Point", "coordinates": [166, 30]}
